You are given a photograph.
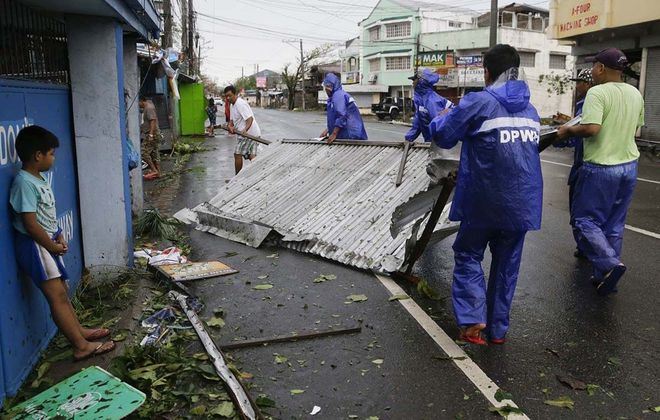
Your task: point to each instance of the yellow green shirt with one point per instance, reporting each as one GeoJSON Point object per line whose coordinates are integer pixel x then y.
{"type": "Point", "coordinates": [619, 109]}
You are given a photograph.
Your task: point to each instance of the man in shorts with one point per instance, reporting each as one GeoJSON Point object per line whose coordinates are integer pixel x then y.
{"type": "Point", "coordinates": [242, 121]}
{"type": "Point", "coordinates": [151, 137]}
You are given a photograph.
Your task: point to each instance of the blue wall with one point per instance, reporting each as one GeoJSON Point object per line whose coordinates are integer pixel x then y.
{"type": "Point", "coordinates": [25, 323]}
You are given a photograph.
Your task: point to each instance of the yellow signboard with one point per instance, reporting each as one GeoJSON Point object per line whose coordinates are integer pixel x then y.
{"type": "Point", "coordinates": [577, 17]}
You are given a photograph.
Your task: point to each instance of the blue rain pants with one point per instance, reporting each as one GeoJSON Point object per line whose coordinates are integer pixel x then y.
{"type": "Point", "coordinates": [601, 198]}
{"type": "Point", "coordinates": [473, 301]}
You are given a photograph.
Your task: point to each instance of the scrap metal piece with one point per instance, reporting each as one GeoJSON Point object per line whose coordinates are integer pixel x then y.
{"type": "Point", "coordinates": [238, 394]}
{"type": "Point", "coordinates": [402, 165]}
{"type": "Point", "coordinates": [336, 203]}
{"type": "Point", "coordinates": [549, 135]}
{"type": "Point", "coordinates": [286, 338]}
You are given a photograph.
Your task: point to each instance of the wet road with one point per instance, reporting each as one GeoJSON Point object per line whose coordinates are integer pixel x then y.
{"type": "Point", "coordinates": [559, 327]}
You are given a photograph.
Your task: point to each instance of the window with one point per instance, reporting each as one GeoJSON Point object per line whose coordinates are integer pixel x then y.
{"type": "Point", "coordinates": [527, 59]}
{"type": "Point", "coordinates": [397, 63]}
{"type": "Point", "coordinates": [374, 64]}
{"type": "Point", "coordinates": [374, 34]}
{"type": "Point", "coordinates": [558, 61]}
{"type": "Point", "coordinates": [397, 30]}
{"type": "Point", "coordinates": [454, 24]}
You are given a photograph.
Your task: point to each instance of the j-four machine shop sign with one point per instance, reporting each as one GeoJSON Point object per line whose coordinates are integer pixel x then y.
{"type": "Point", "coordinates": [435, 59]}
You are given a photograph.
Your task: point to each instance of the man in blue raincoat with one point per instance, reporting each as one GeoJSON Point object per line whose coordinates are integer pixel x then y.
{"type": "Point", "coordinates": [428, 104]}
{"type": "Point", "coordinates": [343, 115]}
{"type": "Point", "coordinates": [584, 82]}
{"type": "Point", "coordinates": [498, 195]}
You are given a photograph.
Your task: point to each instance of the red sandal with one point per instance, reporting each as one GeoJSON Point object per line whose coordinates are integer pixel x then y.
{"type": "Point", "coordinates": [472, 334]}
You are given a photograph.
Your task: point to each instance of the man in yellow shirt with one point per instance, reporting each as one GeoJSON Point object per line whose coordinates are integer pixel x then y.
{"type": "Point", "coordinates": [612, 112]}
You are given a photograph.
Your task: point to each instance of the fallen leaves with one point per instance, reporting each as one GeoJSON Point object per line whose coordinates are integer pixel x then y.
{"type": "Point", "coordinates": [224, 409]}
{"type": "Point", "coordinates": [506, 410]}
{"type": "Point", "coordinates": [377, 361]}
{"type": "Point", "coordinates": [264, 402]}
{"type": "Point", "coordinates": [323, 277]}
{"type": "Point", "coordinates": [356, 298]}
{"type": "Point", "coordinates": [614, 361]}
{"type": "Point", "coordinates": [572, 383]}
{"type": "Point", "coordinates": [297, 391]}
{"type": "Point", "coordinates": [425, 289]}
{"type": "Point", "coordinates": [562, 402]}
{"type": "Point", "coordinates": [398, 297]}
{"type": "Point", "coordinates": [264, 286]}
{"type": "Point", "coordinates": [501, 395]}
{"type": "Point", "coordinates": [279, 359]}
{"type": "Point", "coordinates": [216, 322]}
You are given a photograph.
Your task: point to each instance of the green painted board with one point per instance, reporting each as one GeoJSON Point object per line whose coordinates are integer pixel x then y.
{"type": "Point", "coordinates": [192, 108]}
{"type": "Point", "coordinates": [90, 394]}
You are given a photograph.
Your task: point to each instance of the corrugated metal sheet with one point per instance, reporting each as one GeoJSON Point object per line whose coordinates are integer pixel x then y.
{"type": "Point", "coordinates": [334, 201]}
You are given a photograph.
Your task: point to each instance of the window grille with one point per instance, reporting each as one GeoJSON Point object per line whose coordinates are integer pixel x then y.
{"type": "Point", "coordinates": [33, 45]}
{"type": "Point", "coordinates": [558, 61]}
{"type": "Point", "coordinates": [527, 59]}
{"type": "Point", "coordinates": [397, 63]}
{"type": "Point", "coordinates": [397, 30]}
{"type": "Point", "coordinates": [374, 64]}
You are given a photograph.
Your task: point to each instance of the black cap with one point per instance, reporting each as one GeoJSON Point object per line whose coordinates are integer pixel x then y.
{"type": "Point", "coordinates": [613, 58]}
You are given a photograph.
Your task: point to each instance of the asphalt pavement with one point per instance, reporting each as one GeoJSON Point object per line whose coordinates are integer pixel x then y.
{"type": "Point", "coordinates": [559, 327]}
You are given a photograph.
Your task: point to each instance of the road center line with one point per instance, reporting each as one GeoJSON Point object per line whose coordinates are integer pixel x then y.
{"type": "Point", "coordinates": [643, 231]}
{"type": "Point", "coordinates": [564, 164]}
{"type": "Point", "coordinates": [478, 377]}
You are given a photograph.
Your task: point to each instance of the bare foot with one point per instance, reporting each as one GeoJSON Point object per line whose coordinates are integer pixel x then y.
{"type": "Point", "coordinates": [91, 334]}
{"type": "Point", "coordinates": [92, 349]}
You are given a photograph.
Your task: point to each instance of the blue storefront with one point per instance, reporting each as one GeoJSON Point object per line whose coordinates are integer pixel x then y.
{"type": "Point", "coordinates": [44, 82]}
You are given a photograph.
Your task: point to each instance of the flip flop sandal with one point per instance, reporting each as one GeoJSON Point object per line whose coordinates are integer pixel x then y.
{"type": "Point", "coordinates": [472, 334]}
{"type": "Point", "coordinates": [98, 334]}
{"type": "Point", "coordinates": [99, 350]}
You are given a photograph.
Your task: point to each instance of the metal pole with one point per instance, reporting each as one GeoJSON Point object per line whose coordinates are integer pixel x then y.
{"type": "Point", "coordinates": [493, 22]}
{"type": "Point", "coordinates": [167, 24]}
{"type": "Point", "coordinates": [302, 73]}
{"type": "Point", "coordinates": [191, 45]}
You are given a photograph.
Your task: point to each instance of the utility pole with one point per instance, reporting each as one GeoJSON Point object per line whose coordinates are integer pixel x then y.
{"type": "Point", "coordinates": [184, 26]}
{"type": "Point", "coordinates": [493, 22]}
{"type": "Point", "coordinates": [302, 73]}
{"type": "Point", "coordinates": [191, 29]}
{"type": "Point", "coordinates": [242, 72]}
{"type": "Point", "coordinates": [167, 24]}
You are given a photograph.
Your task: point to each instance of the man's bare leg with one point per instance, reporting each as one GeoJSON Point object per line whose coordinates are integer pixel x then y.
{"type": "Point", "coordinates": [238, 163]}
{"type": "Point", "coordinates": [252, 157]}
{"type": "Point", "coordinates": [65, 318]}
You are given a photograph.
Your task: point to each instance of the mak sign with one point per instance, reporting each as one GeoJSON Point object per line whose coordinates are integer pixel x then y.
{"type": "Point", "coordinates": [435, 59]}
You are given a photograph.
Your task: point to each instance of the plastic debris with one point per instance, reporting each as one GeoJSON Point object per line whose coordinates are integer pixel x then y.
{"type": "Point", "coordinates": [171, 255]}
{"type": "Point", "coordinates": [315, 410]}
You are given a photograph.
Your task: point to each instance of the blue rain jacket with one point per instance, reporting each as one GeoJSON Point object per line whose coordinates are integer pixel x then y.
{"type": "Point", "coordinates": [499, 183]}
{"type": "Point", "coordinates": [575, 142]}
{"type": "Point", "coordinates": [428, 104]}
{"type": "Point", "coordinates": [343, 112]}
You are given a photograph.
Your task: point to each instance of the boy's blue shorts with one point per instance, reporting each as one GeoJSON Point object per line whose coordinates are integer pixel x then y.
{"type": "Point", "coordinates": [35, 261]}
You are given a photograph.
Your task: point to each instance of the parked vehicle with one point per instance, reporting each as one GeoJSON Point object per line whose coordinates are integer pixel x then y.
{"type": "Point", "coordinates": [392, 107]}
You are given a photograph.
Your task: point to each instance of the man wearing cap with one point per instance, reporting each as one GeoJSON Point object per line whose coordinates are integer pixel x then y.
{"type": "Point", "coordinates": [428, 104]}
{"type": "Point", "coordinates": [343, 115]}
{"type": "Point", "coordinates": [584, 82]}
{"type": "Point", "coordinates": [612, 112]}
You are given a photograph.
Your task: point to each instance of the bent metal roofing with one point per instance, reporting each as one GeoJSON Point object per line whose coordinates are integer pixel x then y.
{"type": "Point", "coordinates": [336, 201]}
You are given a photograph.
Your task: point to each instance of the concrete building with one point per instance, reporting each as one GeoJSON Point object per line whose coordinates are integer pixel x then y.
{"type": "Point", "coordinates": [67, 66]}
{"type": "Point", "coordinates": [633, 26]}
{"type": "Point", "coordinates": [400, 33]}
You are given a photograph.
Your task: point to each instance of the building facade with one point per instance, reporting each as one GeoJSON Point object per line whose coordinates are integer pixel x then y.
{"type": "Point", "coordinates": [400, 34]}
{"type": "Point", "coordinates": [70, 67]}
{"type": "Point", "coordinates": [633, 26]}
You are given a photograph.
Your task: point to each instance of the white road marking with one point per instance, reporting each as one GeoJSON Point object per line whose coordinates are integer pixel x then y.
{"type": "Point", "coordinates": [483, 383]}
{"type": "Point", "coordinates": [643, 232]}
{"type": "Point", "coordinates": [564, 164]}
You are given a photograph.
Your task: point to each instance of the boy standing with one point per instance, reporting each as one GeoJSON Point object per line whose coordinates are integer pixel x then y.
{"type": "Point", "coordinates": [499, 192]}
{"type": "Point", "coordinates": [39, 241]}
{"type": "Point", "coordinates": [151, 137]}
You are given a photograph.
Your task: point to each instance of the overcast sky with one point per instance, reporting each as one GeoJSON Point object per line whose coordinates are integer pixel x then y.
{"type": "Point", "coordinates": [229, 43]}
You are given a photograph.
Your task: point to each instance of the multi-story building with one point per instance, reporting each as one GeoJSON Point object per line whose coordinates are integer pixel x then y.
{"type": "Point", "coordinates": [397, 33]}
{"type": "Point", "coordinates": [633, 26]}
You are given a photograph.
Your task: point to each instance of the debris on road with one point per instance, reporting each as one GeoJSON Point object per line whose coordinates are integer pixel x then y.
{"type": "Point", "coordinates": [315, 410]}
{"type": "Point", "coordinates": [238, 393]}
{"type": "Point", "coordinates": [171, 255]}
{"type": "Point", "coordinates": [572, 383]}
{"type": "Point", "coordinates": [195, 270]}
{"type": "Point", "coordinates": [562, 402]}
{"type": "Point", "coordinates": [288, 338]}
{"type": "Point", "coordinates": [90, 393]}
{"type": "Point", "coordinates": [342, 211]}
